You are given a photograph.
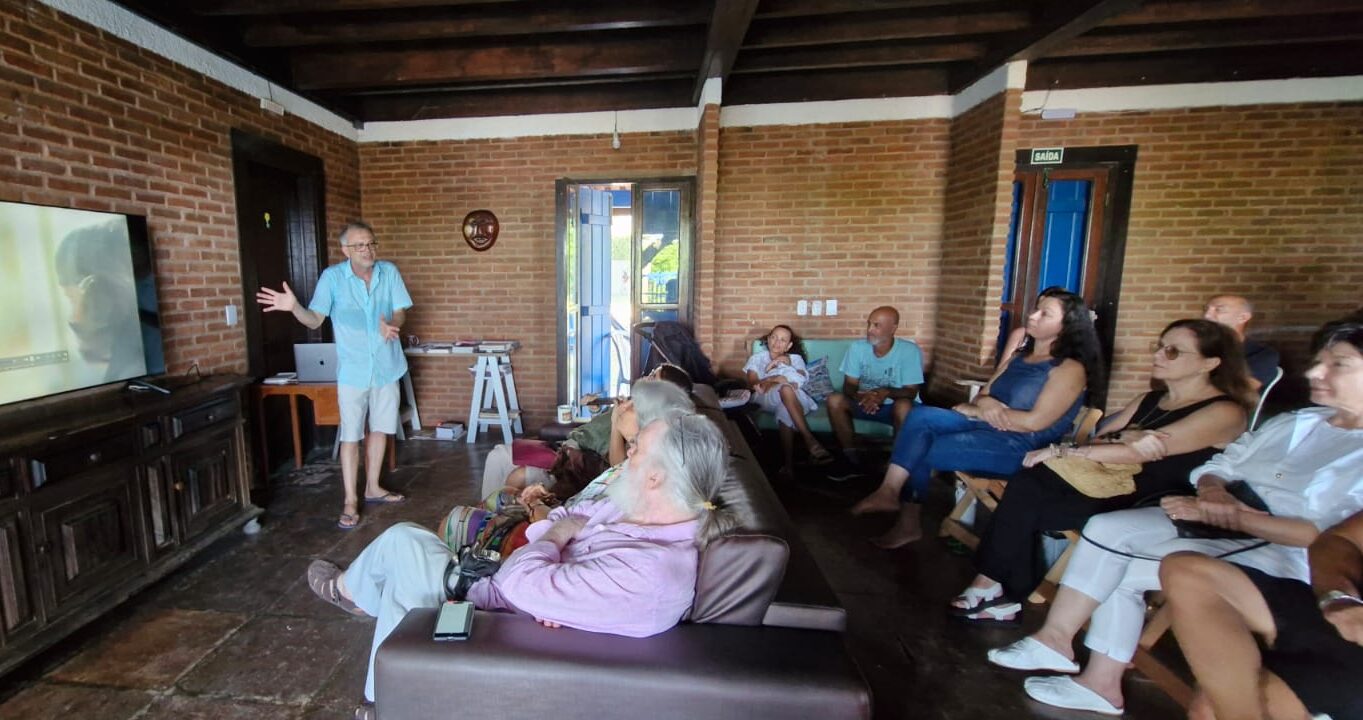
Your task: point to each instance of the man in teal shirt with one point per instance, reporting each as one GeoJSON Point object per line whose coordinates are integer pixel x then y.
{"type": "Point", "coordinates": [881, 375]}
{"type": "Point", "coordinates": [367, 303]}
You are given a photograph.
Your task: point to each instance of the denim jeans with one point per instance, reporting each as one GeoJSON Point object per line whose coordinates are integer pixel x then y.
{"type": "Point", "coordinates": [933, 438]}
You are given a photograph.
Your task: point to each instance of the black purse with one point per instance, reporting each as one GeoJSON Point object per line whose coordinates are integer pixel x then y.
{"type": "Point", "coordinates": [470, 567]}
{"type": "Point", "coordinates": [1240, 490]}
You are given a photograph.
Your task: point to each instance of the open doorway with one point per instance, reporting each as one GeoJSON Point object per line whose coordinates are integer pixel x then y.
{"type": "Point", "coordinates": [624, 258]}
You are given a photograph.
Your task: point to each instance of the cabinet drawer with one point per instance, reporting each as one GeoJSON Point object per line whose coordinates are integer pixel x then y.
{"type": "Point", "coordinates": [197, 418]}
{"type": "Point", "coordinates": [85, 453]}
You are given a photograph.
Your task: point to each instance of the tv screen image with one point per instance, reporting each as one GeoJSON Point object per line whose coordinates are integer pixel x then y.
{"type": "Point", "coordinates": [81, 296]}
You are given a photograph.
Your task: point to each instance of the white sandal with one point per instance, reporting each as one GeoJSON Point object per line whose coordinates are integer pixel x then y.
{"type": "Point", "coordinates": [975, 597]}
{"type": "Point", "coordinates": [1031, 654]}
{"type": "Point", "coordinates": [1063, 692]}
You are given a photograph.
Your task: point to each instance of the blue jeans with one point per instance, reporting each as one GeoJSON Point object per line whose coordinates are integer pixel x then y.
{"type": "Point", "coordinates": [933, 438]}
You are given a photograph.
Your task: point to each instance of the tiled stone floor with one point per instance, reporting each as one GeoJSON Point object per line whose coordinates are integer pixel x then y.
{"type": "Point", "coordinates": [236, 633]}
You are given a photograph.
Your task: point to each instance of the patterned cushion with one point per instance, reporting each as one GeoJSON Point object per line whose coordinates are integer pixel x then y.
{"type": "Point", "coordinates": [819, 385]}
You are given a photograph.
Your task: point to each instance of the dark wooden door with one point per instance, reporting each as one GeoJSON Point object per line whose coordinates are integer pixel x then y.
{"type": "Point", "coordinates": [18, 599]}
{"type": "Point", "coordinates": [203, 485]}
{"type": "Point", "coordinates": [266, 209]}
{"type": "Point", "coordinates": [88, 539]}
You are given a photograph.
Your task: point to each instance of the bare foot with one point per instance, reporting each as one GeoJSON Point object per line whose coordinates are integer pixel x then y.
{"type": "Point", "coordinates": [883, 500]}
{"type": "Point", "coordinates": [906, 529]}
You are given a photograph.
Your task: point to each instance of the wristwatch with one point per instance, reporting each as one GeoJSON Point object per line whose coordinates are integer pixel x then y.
{"type": "Point", "coordinates": [1338, 596]}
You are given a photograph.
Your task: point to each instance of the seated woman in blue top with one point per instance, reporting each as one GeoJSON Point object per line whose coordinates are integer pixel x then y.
{"type": "Point", "coordinates": [1030, 402]}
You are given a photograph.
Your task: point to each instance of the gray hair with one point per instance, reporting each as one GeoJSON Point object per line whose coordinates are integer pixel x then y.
{"type": "Point", "coordinates": [356, 225]}
{"type": "Point", "coordinates": [654, 398]}
{"type": "Point", "coordinates": [694, 457]}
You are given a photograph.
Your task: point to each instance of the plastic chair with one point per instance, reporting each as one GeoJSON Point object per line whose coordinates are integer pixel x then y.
{"type": "Point", "coordinates": [1263, 396]}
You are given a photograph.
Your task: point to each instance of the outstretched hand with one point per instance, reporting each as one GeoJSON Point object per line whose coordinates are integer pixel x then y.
{"type": "Point", "coordinates": [388, 331]}
{"type": "Point", "coordinates": [274, 300]}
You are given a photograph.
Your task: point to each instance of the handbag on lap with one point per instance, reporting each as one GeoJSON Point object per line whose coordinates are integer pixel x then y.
{"type": "Point", "coordinates": [1095, 479]}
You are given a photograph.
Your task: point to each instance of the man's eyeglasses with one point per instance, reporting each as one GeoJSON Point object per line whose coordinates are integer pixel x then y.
{"type": "Point", "coordinates": [363, 246]}
{"type": "Point", "coordinates": [1170, 351]}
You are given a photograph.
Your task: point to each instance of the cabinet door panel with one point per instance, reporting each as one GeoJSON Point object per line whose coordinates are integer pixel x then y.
{"type": "Point", "coordinates": [158, 509]}
{"type": "Point", "coordinates": [90, 539]}
{"type": "Point", "coordinates": [18, 605]}
{"type": "Point", "coordinates": [204, 485]}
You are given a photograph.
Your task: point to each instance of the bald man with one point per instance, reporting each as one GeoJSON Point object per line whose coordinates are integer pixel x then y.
{"type": "Point", "coordinates": [1235, 312]}
{"type": "Point", "coordinates": [881, 375]}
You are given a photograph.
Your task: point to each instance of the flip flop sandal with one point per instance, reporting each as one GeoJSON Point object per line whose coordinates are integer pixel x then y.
{"type": "Point", "coordinates": [388, 498]}
{"type": "Point", "coordinates": [993, 612]}
{"type": "Point", "coordinates": [820, 455]}
{"type": "Point", "coordinates": [977, 599]}
{"type": "Point", "coordinates": [322, 577]}
{"type": "Point", "coordinates": [364, 711]}
{"type": "Point", "coordinates": [348, 521]}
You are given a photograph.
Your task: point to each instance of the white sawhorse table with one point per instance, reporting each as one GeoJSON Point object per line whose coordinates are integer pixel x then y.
{"type": "Point", "coordinates": [494, 396]}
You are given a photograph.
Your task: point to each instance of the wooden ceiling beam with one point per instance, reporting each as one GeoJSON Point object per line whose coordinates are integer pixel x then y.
{"type": "Point", "coordinates": [1317, 60]}
{"type": "Point", "coordinates": [276, 7]}
{"type": "Point", "coordinates": [728, 25]}
{"type": "Point", "coordinates": [802, 8]}
{"type": "Point", "coordinates": [1165, 12]}
{"type": "Point", "coordinates": [509, 20]}
{"type": "Point", "coordinates": [871, 26]}
{"type": "Point", "coordinates": [1066, 21]}
{"type": "Point", "coordinates": [860, 55]}
{"type": "Point", "coordinates": [527, 101]}
{"type": "Point", "coordinates": [570, 57]}
{"type": "Point", "coordinates": [835, 85]}
{"type": "Point", "coordinates": [1285, 31]}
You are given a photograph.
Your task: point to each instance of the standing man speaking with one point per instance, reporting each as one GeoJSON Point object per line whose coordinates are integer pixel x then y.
{"type": "Point", "coordinates": [367, 303]}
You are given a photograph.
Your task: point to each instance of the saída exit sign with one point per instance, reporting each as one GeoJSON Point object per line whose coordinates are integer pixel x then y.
{"type": "Point", "coordinates": [1048, 156]}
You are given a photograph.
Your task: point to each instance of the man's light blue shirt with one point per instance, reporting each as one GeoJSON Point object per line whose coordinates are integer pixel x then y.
{"type": "Point", "coordinates": [901, 367]}
{"type": "Point", "coordinates": [364, 359]}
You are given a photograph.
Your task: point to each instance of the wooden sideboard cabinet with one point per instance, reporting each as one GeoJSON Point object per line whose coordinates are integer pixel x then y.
{"type": "Point", "coordinates": [104, 491]}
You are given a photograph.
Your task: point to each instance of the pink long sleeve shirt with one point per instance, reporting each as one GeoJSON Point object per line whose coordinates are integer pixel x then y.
{"type": "Point", "coordinates": [612, 577]}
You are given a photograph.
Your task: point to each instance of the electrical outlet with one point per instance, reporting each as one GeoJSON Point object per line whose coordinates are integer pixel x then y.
{"type": "Point", "coordinates": [802, 307]}
{"type": "Point", "coordinates": [830, 307]}
{"type": "Point", "coordinates": [816, 307]}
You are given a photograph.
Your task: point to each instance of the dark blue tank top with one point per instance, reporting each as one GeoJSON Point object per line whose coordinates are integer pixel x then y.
{"type": "Point", "coordinates": [1020, 385]}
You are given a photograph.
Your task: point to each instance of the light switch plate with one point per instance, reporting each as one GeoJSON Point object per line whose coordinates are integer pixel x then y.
{"type": "Point", "coordinates": [830, 306]}
{"type": "Point", "coordinates": [816, 307]}
{"type": "Point", "coordinates": [231, 313]}
{"type": "Point", "coordinates": [802, 307]}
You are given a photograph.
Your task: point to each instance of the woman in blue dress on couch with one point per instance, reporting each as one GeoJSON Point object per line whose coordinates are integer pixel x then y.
{"type": "Point", "coordinates": [1030, 402]}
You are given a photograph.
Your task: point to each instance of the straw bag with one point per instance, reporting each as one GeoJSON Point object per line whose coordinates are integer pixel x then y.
{"type": "Point", "coordinates": [1095, 479]}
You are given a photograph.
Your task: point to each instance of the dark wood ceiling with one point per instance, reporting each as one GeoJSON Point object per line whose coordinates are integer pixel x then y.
{"type": "Point", "coordinates": [376, 60]}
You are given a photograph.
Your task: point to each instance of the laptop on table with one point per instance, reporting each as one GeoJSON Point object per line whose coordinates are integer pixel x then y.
{"type": "Point", "coordinates": [316, 362]}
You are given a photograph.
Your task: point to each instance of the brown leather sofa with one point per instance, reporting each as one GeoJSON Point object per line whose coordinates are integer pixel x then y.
{"type": "Point", "coordinates": [763, 640]}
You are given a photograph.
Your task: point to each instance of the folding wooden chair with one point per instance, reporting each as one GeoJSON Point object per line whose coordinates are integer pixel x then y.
{"type": "Point", "coordinates": [989, 491]}
{"type": "Point", "coordinates": [1157, 623]}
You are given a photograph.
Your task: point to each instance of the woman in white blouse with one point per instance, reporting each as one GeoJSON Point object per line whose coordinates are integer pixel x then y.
{"type": "Point", "coordinates": [1306, 466]}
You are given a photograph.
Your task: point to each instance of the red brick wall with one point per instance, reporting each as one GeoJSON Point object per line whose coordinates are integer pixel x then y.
{"type": "Point", "coordinates": [1266, 201]}
{"type": "Point", "coordinates": [850, 211]}
{"type": "Point", "coordinates": [978, 197]}
{"type": "Point", "coordinates": [90, 121]}
{"type": "Point", "coordinates": [707, 213]}
{"type": "Point", "coordinates": [416, 195]}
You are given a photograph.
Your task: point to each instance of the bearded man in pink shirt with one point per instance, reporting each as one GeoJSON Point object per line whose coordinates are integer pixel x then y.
{"type": "Point", "coordinates": [624, 565]}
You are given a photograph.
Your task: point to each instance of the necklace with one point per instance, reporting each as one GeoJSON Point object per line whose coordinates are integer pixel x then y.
{"type": "Point", "coordinates": [1145, 421]}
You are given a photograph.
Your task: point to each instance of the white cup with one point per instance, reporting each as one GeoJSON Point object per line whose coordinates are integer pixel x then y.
{"type": "Point", "coordinates": [565, 414]}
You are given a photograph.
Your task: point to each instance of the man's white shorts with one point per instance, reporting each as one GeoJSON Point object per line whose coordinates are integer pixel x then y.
{"type": "Point", "coordinates": [380, 402]}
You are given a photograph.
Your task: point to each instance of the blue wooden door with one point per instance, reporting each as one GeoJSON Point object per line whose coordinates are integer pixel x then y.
{"type": "Point", "coordinates": [1065, 235]}
{"type": "Point", "coordinates": [594, 290]}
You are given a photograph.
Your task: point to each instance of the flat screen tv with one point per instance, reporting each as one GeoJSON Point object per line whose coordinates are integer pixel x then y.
{"type": "Point", "coordinates": [80, 297]}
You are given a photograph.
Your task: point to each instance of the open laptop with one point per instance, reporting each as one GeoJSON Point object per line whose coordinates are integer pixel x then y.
{"type": "Point", "coordinates": [316, 362]}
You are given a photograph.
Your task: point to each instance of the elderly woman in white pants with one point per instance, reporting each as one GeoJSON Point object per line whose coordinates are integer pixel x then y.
{"type": "Point", "coordinates": [1305, 466]}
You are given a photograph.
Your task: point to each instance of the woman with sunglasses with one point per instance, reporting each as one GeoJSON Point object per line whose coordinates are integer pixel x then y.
{"type": "Point", "coordinates": [1303, 466]}
{"type": "Point", "coordinates": [1200, 407]}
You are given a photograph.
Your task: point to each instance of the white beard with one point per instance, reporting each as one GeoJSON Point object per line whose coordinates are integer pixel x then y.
{"type": "Point", "coordinates": [624, 489]}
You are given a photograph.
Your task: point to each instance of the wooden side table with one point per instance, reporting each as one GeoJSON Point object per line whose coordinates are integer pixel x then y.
{"type": "Point", "coordinates": [326, 410]}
